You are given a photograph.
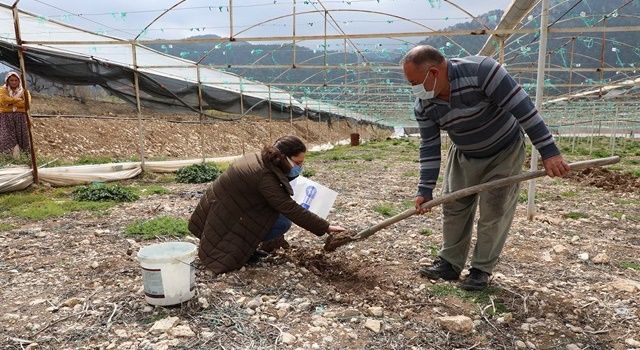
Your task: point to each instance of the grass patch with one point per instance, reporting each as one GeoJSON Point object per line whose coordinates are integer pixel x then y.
{"type": "Point", "coordinates": [166, 178]}
{"type": "Point", "coordinates": [569, 194]}
{"type": "Point", "coordinates": [426, 232]}
{"type": "Point", "coordinates": [6, 227]}
{"type": "Point", "coordinates": [411, 174]}
{"type": "Point", "coordinates": [308, 172]}
{"type": "Point", "coordinates": [627, 149]}
{"type": "Point", "coordinates": [368, 151]}
{"type": "Point", "coordinates": [39, 205]}
{"type": "Point", "coordinates": [482, 298]}
{"type": "Point", "coordinates": [624, 201]}
{"type": "Point", "coordinates": [523, 197]}
{"type": "Point", "coordinates": [385, 209]}
{"type": "Point", "coordinates": [100, 192]}
{"type": "Point", "coordinates": [575, 215]}
{"type": "Point", "coordinates": [87, 159]}
{"type": "Point", "coordinates": [408, 204]}
{"type": "Point", "coordinates": [160, 226]}
{"type": "Point", "coordinates": [630, 265]}
{"type": "Point", "coordinates": [433, 250]}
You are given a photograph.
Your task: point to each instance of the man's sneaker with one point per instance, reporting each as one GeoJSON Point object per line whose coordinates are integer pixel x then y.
{"type": "Point", "coordinates": [477, 280]}
{"type": "Point", "coordinates": [440, 269]}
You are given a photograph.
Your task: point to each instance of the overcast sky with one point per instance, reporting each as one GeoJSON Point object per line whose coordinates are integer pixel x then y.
{"type": "Point", "coordinates": [127, 18]}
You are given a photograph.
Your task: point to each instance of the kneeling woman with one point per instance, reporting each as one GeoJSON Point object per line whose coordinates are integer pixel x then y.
{"type": "Point", "coordinates": [251, 203]}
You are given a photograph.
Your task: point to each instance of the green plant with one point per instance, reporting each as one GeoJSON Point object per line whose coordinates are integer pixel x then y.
{"type": "Point", "coordinates": [569, 194]}
{"type": "Point", "coordinates": [100, 192]}
{"type": "Point", "coordinates": [523, 197]}
{"type": "Point", "coordinates": [433, 250]}
{"type": "Point", "coordinates": [160, 226]}
{"type": "Point", "coordinates": [630, 265]}
{"type": "Point", "coordinates": [198, 173]}
{"type": "Point", "coordinates": [576, 215]}
{"type": "Point", "coordinates": [426, 232]}
{"type": "Point", "coordinates": [385, 209]}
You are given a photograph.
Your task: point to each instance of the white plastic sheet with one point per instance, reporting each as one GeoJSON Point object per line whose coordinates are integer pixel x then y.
{"type": "Point", "coordinates": [19, 178]}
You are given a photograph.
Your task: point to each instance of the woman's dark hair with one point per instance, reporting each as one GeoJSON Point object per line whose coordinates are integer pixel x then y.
{"type": "Point", "coordinates": [286, 146]}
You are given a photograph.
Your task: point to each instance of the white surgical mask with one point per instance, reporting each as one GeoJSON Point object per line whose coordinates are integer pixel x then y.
{"type": "Point", "coordinates": [420, 92]}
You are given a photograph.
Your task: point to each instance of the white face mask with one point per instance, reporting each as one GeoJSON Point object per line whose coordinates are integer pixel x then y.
{"type": "Point", "coordinates": [420, 92]}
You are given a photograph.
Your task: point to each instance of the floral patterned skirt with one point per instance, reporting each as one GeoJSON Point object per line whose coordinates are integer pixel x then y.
{"type": "Point", "coordinates": [13, 131]}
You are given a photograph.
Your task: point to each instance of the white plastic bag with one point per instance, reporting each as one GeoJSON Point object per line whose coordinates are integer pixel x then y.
{"type": "Point", "coordinates": [313, 196]}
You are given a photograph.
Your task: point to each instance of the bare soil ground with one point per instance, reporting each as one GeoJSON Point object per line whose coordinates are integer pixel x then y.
{"type": "Point", "coordinates": [114, 132]}
{"type": "Point", "coordinates": [569, 279]}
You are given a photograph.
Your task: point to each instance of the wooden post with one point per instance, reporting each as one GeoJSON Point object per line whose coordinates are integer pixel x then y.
{"type": "Point", "coordinates": [201, 113]}
{"type": "Point", "coordinates": [27, 104]}
{"type": "Point", "coordinates": [501, 50]}
{"type": "Point", "coordinates": [136, 84]}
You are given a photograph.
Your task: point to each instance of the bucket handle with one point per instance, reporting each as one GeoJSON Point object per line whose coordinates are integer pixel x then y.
{"type": "Point", "coordinates": [186, 263]}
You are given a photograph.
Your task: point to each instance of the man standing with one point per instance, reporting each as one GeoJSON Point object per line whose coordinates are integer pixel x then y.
{"type": "Point", "coordinates": [484, 112]}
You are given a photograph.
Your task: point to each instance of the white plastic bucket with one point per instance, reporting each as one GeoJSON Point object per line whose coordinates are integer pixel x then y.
{"type": "Point", "coordinates": [313, 196]}
{"type": "Point", "coordinates": [168, 273]}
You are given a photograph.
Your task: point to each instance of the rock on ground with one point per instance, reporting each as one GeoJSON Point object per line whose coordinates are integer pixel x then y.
{"type": "Point", "coordinates": [164, 325]}
{"type": "Point", "coordinates": [457, 324]}
{"type": "Point", "coordinates": [373, 325]}
{"type": "Point", "coordinates": [181, 331]}
{"type": "Point", "coordinates": [288, 338]}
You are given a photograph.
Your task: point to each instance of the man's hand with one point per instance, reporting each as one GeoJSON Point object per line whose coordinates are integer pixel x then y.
{"type": "Point", "coordinates": [335, 228]}
{"type": "Point", "coordinates": [556, 166]}
{"type": "Point", "coordinates": [419, 201]}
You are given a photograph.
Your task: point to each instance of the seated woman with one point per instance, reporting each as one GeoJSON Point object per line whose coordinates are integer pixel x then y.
{"type": "Point", "coordinates": [251, 203]}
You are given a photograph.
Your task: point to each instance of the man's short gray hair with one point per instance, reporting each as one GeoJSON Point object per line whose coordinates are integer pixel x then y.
{"type": "Point", "coordinates": [423, 55]}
